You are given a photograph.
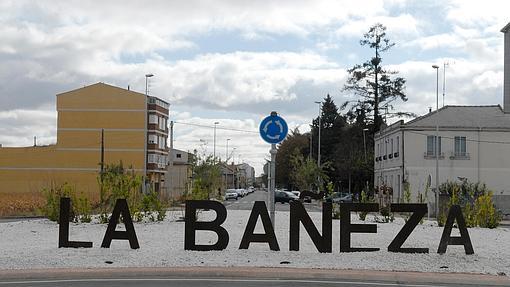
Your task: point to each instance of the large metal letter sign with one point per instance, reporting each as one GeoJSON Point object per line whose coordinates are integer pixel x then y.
{"type": "Point", "coordinates": [273, 130]}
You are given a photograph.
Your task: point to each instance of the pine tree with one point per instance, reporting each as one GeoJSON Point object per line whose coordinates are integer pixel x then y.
{"type": "Point", "coordinates": [373, 84]}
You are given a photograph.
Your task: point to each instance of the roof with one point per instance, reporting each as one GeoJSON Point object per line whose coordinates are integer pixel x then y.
{"type": "Point", "coordinates": [491, 116]}
{"type": "Point", "coordinates": [506, 28]}
{"type": "Point", "coordinates": [103, 85]}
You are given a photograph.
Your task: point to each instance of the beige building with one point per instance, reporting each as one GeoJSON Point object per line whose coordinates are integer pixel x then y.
{"type": "Point", "coordinates": [96, 124]}
{"type": "Point", "coordinates": [179, 174]}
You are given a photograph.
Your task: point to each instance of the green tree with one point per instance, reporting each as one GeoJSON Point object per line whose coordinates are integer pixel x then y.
{"type": "Point", "coordinates": [295, 142]}
{"type": "Point", "coordinates": [305, 173]}
{"type": "Point", "coordinates": [375, 86]}
{"type": "Point", "coordinates": [206, 177]}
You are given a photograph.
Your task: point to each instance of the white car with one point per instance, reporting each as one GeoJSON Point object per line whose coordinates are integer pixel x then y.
{"type": "Point", "coordinates": [231, 194]}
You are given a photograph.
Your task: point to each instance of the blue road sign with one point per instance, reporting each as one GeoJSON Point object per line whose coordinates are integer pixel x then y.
{"type": "Point", "coordinates": [273, 129]}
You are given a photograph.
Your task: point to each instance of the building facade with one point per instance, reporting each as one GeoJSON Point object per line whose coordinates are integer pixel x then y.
{"type": "Point", "coordinates": [473, 143]}
{"type": "Point", "coordinates": [96, 125]}
{"type": "Point", "coordinates": [179, 174]}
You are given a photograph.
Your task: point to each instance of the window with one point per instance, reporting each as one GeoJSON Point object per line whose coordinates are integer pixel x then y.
{"type": "Point", "coordinates": [178, 155]}
{"type": "Point", "coordinates": [153, 119]}
{"type": "Point", "coordinates": [162, 123]}
{"type": "Point", "coordinates": [391, 145]}
{"type": "Point", "coordinates": [162, 142]}
{"type": "Point", "coordinates": [153, 139]}
{"type": "Point", "coordinates": [431, 146]}
{"type": "Point", "coordinates": [152, 158]}
{"type": "Point", "coordinates": [460, 146]}
{"type": "Point", "coordinates": [398, 145]}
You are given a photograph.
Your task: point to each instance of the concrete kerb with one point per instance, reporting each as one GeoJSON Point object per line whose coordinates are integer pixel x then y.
{"type": "Point", "coordinates": [255, 273]}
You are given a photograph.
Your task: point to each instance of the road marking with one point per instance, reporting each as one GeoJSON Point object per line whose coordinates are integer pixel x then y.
{"type": "Point", "coordinates": [213, 280]}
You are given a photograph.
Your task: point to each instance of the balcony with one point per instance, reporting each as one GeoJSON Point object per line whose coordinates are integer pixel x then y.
{"type": "Point", "coordinates": [395, 154]}
{"type": "Point", "coordinates": [427, 155]}
{"type": "Point", "coordinates": [390, 156]}
{"type": "Point", "coordinates": [460, 156]}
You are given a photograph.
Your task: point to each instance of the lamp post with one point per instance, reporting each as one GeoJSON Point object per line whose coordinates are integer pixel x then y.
{"type": "Point", "coordinates": [436, 194]}
{"type": "Point", "coordinates": [144, 177]}
{"type": "Point", "coordinates": [214, 144]}
{"type": "Point", "coordinates": [226, 153]}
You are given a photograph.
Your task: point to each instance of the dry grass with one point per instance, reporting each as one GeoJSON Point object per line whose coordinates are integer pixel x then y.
{"type": "Point", "coordinates": [21, 204]}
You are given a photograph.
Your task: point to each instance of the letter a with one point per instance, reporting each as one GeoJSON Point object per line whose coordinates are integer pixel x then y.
{"type": "Point", "coordinates": [121, 206]}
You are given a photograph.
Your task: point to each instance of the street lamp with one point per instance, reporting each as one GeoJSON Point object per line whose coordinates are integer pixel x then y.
{"type": "Point", "coordinates": [147, 76]}
{"type": "Point", "coordinates": [214, 144]}
{"type": "Point", "coordinates": [226, 153]}
{"type": "Point", "coordinates": [144, 177]}
{"type": "Point", "coordinates": [436, 194]}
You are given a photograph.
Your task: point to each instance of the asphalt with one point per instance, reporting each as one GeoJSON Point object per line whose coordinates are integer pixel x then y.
{"type": "Point", "coordinates": [239, 276]}
{"type": "Point", "coordinates": [246, 203]}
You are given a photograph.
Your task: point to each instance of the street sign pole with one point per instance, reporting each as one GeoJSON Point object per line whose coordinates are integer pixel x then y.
{"type": "Point", "coordinates": [272, 183]}
{"type": "Point", "coordinates": [273, 129]}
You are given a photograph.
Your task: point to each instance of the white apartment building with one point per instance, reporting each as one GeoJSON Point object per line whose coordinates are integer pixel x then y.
{"type": "Point", "coordinates": [474, 144]}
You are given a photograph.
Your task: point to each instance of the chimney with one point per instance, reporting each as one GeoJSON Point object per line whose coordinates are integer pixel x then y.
{"type": "Point", "coordinates": [506, 81]}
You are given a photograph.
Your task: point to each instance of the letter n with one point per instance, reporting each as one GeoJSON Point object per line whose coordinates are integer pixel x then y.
{"type": "Point", "coordinates": [121, 206]}
{"type": "Point", "coordinates": [298, 214]}
{"type": "Point", "coordinates": [455, 213]}
{"type": "Point", "coordinates": [63, 227]}
{"type": "Point", "coordinates": [192, 225]}
{"type": "Point", "coordinates": [259, 210]}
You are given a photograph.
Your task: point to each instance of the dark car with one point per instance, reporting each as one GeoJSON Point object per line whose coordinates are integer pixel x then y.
{"type": "Point", "coordinates": [283, 197]}
{"type": "Point", "coordinates": [337, 197]}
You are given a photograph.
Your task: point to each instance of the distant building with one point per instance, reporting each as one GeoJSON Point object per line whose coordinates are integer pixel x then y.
{"type": "Point", "coordinates": [246, 174]}
{"type": "Point", "coordinates": [474, 144]}
{"type": "Point", "coordinates": [134, 129]}
{"type": "Point", "coordinates": [179, 174]}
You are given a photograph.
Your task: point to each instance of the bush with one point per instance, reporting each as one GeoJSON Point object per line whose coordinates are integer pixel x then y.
{"type": "Point", "coordinates": [365, 198]}
{"type": "Point", "coordinates": [336, 210]}
{"type": "Point", "coordinates": [475, 199]}
{"type": "Point", "coordinates": [486, 214]}
{"type": "Point", "coordinates": [52, 195]}
{"type": "Point", "coordinates": [80, 207]}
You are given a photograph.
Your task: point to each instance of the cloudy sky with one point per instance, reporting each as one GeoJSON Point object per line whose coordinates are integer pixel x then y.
{"type": "Point", "coordinates": [233, 62]}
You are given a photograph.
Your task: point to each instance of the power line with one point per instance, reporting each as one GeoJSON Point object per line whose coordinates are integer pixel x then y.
{"type": "Point", "coordinates": [218, 127]}
{"type": "Point", "coordinates": [467, 139]}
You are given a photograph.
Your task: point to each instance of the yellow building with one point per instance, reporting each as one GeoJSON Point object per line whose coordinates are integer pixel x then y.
{"type": "Point", "coordinates": [93, 119]}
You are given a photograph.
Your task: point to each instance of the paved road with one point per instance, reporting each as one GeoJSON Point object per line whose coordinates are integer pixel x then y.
{"type": "Point", "coordinates": [245, 277]}
{"type": "Point", "coordinates": [212, 282]}
{"type": "Point", "coordinates": [246, 203]}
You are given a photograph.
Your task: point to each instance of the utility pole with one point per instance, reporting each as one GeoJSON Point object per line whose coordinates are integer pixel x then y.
{"type": "Point", "coordinates": [146, 114]}
{"type": "Point", "coordinates": [445, 64]}
{"type": "Point", "coordinates": [171, 154]}
{"type": "Point", "coordinates": [214, 142]}
{"type": "Point", "coordinates": [101, 174]}
{"type": "Point", "coordinates": [436, 194]}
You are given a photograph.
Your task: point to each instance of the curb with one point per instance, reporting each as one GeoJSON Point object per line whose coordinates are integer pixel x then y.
{"type": "Point", "coordinates": [257, 273]}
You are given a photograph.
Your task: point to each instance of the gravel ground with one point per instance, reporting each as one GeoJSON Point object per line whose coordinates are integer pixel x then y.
{"type": "Point", "coordinates": [33, 244]}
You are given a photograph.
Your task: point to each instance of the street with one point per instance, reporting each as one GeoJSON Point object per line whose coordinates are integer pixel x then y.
{"type": "Point", "coordinates": [239, 276]}
{"type": "Point", "coordinates": [246, 203]}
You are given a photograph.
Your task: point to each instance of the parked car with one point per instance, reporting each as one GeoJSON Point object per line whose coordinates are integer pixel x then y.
{"type": "Point", "coordinates": [284, 196]}
{"type": "Point", "coordinates": [242, 192]}
{"type": "Point", "coordinates": [307, 199]}
{"type": "Point", "coordinates": [337, 197]}
{"type": "Point", "coordinates": [296, 192]}
{"type": "Point", "coordinates": [231, 194]}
